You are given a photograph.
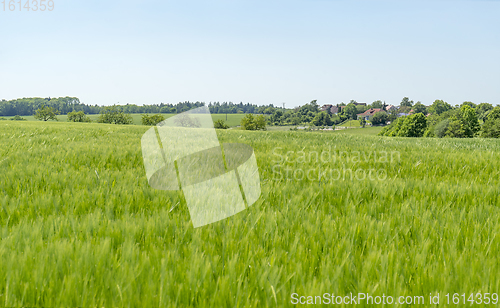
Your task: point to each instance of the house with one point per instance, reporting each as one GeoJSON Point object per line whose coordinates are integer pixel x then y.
{"type": "Point", "coordinates": [330, 108]}
{"type": "Point", "coordinates": [326, 107]}
{"type": "Point", "coordinates": [390, 108]}
{"type": "Point", "coordinates": [367, 115]}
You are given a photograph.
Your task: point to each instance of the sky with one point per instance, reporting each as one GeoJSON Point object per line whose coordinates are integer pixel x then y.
{"type": "Point", "coordinates": [253, 51]}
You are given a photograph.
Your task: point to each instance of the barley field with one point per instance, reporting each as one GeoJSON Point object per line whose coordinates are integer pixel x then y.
{"type": "Point", "coordinates": [80, 226]}
{"type": "Point", "coordinates": [232, 119]}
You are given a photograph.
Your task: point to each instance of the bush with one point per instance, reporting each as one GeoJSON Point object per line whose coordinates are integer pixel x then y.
{"type": "Point", "coordinates": [491, 127]}
{"type": "Point", "coordinates": [439, 107]}
{"type": "Point", "coordinates": [441, 128]}
{"type": "Point", "coordinates": [380, 117]}
{"type": "Point", "coordinates": [2, 119]}
{"type": "Point", "coordinates": [45, 113]}
{"type": "Point", "coordinates": [152, 119]}
{"type": "Point", "coordinates": [250, 122]}
{"type": "Point", "coordinates": [220, 124]}
{"type": "Point", "coordinates": [18, 118]}
{"type": "Point", "coordinates": [463, 125]}
{"type": "Point", "coordinates": [322, 119]}
{"type": "Point", "coordinates": [410, 126]}
{"type": "Point", "coordinates": [78, 116]}
{"type": "Point", "coordinates": [113, 115]}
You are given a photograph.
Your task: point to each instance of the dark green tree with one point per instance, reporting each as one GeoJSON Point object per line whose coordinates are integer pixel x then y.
{"type": "Point", "coordinates": [350, 111]}
{"type": "Point", "coordinates": [439, 106]}
{"type": "Point", "coordinates": [220, 124]}
{"type": "Point", "coordinates": [151, 120]}
{"type": "Point", "coordinates": [377, 104]}
{"type": "Point", "coordinates": [463, 125]}
{"type": "Point", "coordinates": [78, 116]}
{"type": "Point", "coordinates": [406, 102]}
{"type": "Point", "coordinates": [419, 108]}
{"type": "Point", "coordinates": [379, 118]}
{"type": "Point", "coordinates": [45, 113]}
{"type": "Point", "coordinates": [113, 115]}
{"type": "Point", "coordinates": [482, 110]}
{"type": "Point", "coordinates": [491, 127]}
{"type": "Point", "coordinates": [410, 126]}
{"type": "Point", "coordinates": [322, 119]}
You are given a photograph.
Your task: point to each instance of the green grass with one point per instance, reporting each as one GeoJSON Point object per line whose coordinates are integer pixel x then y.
{"type": "Point", "coordinates": [80, 226]}
{"type": "Point", "coordinates": [361, 131]}
{"type": "Point", "coordinates": [350, 123]}
{"type": "Point", "coordinates": [232, 119]}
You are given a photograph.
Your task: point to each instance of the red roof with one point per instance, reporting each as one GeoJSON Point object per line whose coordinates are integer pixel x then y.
{"type": "Point", "coordinates": [370, 112]}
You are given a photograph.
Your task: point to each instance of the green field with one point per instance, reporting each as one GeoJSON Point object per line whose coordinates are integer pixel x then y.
{"type": "Point", "coordinates": [80, 226]}
{"type": "Point", "coordinates": [350, 123]}
{"type": "Point", "coordinates": [232, 119]}
{"type": "Point", "coordinates": [361, 131]}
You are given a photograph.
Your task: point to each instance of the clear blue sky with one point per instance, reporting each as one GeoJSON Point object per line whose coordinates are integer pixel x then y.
{"type": "Point", "coordinates": [262, 52]}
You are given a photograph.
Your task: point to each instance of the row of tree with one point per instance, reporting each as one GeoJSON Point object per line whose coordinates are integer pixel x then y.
{"type": "Point", "coordinates": [28, 106]}
{"type": "Point", "coordinates": [462, 121]}
{"type": "Point", "coordinates": [311, 114]}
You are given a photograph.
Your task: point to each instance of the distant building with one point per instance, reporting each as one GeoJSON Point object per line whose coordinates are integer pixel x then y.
{"type": "Point", "coordinates": [390, 108]}
{"type": "Point", "coordinates": [330, 108]}
{"type": "Point", "coordinates": [326, 107]}
{"type": "Point", "coordinates": [367, 115]}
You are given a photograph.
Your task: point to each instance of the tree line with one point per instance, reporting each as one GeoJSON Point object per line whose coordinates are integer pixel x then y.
{"type": "Point", "coordinates": [311, 114]}
{"type": "Point", "coordinates": [409, 119]}
{"type": "Point", "coordinates": [29, 106]}
{"type": "Point", "coordinates": [440, 120]}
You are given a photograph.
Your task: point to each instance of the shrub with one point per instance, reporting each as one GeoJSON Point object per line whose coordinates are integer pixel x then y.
{"type": "Point", "coordinates": [441, 128]}
{"type": "Point", "coordinates": [152, 119]}
{"type": "Point", "coordinates": [463, 125]}
{"type": "Point", "coordinates": [322, 119]}
{"type": "Point", "coordinates": [413, 126]}
{"type": "Point", "coordinates": [250, 122]}
{"type": "Point", "coordinates": [113, 115]}
{"type": "Point", "coordinates": [410, 126]}
{"type": "Point", "coordinates": [380, 117]}
{"type": "Point", "coordinates": [18, 118]}
{"type": "Point", "coordinates": [220, 124]}
{"type": "Point", "coordinates": [78, 116]}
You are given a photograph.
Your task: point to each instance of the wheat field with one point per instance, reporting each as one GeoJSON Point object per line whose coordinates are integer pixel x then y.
{"type": "Point", "coordinates": [80, 226]}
